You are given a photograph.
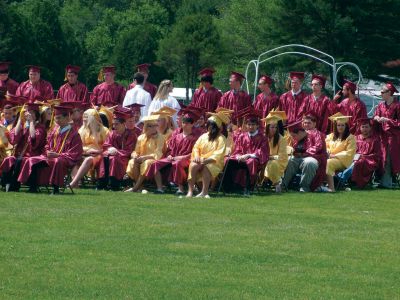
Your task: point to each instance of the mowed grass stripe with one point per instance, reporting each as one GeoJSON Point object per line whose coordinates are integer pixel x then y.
{"type": "Point", "coordinates": [114, 245]}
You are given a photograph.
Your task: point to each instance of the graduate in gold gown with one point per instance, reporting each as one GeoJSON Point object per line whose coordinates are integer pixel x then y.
{"type": "Point", "coordinates": [150, 147]}
{"type": "Point", "coordinates": [278, 157]}
{"type": "Point", "coordinates": [207, 159]}
{"type": "Point", "coordinates": [93, 135]}
{"type": "Point", "coordinates": [341, 147]}
{"type": "Point", "coordinates": [166, 124]}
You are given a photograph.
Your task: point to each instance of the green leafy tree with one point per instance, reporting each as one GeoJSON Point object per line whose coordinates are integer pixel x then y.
{"type": "Point", "coordinates": [193, 42]}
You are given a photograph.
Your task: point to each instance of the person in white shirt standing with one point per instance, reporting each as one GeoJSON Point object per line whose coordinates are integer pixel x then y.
{"type": "Point", "coordinates": [138, 95]}
{"type": "Point", "coordinates": [162, 98]}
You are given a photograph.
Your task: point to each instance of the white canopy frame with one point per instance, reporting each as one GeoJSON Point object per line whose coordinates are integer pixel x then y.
{"type": "Point", "coordinates": [298, 49]}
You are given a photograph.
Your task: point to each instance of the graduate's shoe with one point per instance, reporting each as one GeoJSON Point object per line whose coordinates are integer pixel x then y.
{"type": "Point", "coordinates": [246, 192]}
{"type": "Point", "coordinates": [56, 190]}
{"type": "Point", "coordinates": [159, 192]}
{"type": "Point", "coordinates": [179, 193]}
{"type": "Point", "coordinates": [278, 189]}
{"type": "Point", "coordinates": [33, 190]}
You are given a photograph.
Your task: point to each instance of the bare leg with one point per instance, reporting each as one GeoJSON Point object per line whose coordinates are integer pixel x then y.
{"type": "Point", "coordinates": [193, 170]}
{"type": "Point", "coordinates": [331, 184]}
{"type": "Point", "coordinates": [83, 169]}
{"type": "Point", "coordinates": [158, 180]}
{"type": "Point", "coordinates": [206, 176]}
{"type": "Point", "coordinates": [138, 183]}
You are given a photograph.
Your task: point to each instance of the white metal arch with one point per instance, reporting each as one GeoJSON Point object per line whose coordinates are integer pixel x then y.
{"type": "Point", "coordinates": [297, 49]}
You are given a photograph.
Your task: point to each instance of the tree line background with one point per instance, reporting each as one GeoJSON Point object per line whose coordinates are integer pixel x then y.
{"type": "Point", "coordinates": [180, 37]}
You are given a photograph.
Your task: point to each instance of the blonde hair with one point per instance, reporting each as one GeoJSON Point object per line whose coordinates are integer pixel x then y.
{"type": "Point", "coordinates": [93, 127]}
{"type": "Point", "coordinates": [163, 90]}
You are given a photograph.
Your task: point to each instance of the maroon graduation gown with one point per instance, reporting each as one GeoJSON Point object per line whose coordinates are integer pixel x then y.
{"type": "Point", "coordinates": [356, 109]}
{"type": "Point", "coordinates": [9, 86]}
{"type": "Point", "coordinates": [323, 107]}
{"type": "Point", "coordinates": [25, 146]}
{"type": "Point", "coordinates": [125, 144]}
{"type": "Point", "coordinates": [244, 144]}
{"type": "Point", "coordinates": [293, 106]}
{"type": "Point", "coordinates": [39, 90]}
{"type": "Point", "coordinates": [235, 101]}
{"type": "Point", "coordinates": [148, 87]}
{"type": "Point", "coordinates": [389, 133]}
{"type": "Point", "coordinates": [315, 146]}
{"type": "Point", "coordinates": [108, 95]}
{"type": "Point", "coordinates": [175, 171]}
{"type": "Point", "coordinates": [207, 99]}
{"type": "Point", "coordinates": [266, 103]}
{"type": "Point", "coordinates": [76, 93]}
{"type": "Point", "coordinates": [369, 161]}
{"type": "Point", "coordinates": [55, 169]}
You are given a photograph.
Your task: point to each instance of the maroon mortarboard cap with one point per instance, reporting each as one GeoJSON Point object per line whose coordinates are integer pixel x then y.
{"type": "Point", "coordinates": [63, 108]}
{"type": "Point", "coordinates": [78, 105]}
{"type": "Point", "coordinates": [13, 100]}
{"type": "Point", "coordinates": [311, 115]}
{"type": "Point", "coordinates": [391, 87]}
{"type": "Point", "coordinates": [295, 126]}
{"type": "Point", "coordinates": [135, 106]}
{"type": "Point", "coordinates": [71, 68]}
{"type": "Point", "coordinates": [320, 78]}
{"type": "Point", "coordinates": [117, 114]}
{"type": "Point", "coordinates": [207, 72]}
{"type": "Point", "coordinates": [298, 75]}
{"type": "Point", "coordinates": [237, 76]}
{"type": "Point", "coordinates": [190, 113]}
{"type": "Point", "coordinates": [33, 106]}
{"type": "Point", "coordinates": [4, 66]}
{"type": "Point", "coordinates": [122, 109]}
{"type": "Point", "coordinates": [33, 68]}
{"type": "Point", "coordinates": [364, 121]}
{"type": "Point", "coordinates": [267, 79]}
{"type": "Point", "coordinates": [143, 67]}
{"type": "Point", "coordinates": [200, 110]}
{"type": "Point", "coordinates": [109, 69]}
{"type": "Point", "coordinates": [350, 85]}
{"type": "Point", "coordinates": [35, 98]}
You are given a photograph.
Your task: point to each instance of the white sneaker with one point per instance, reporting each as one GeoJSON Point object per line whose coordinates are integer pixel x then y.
{"type": "Point", "coordinates": [302, 190]}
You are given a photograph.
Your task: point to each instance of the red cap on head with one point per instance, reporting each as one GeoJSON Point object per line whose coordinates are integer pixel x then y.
{"type": "Point", "coordinates": [78, 104]}
{"type": "Point", "coordinates": [13, 100]}
{"type": "Point", "coordinates": [364, 121]}
{"type": "Point", "coordinates": [391, 87]}
{"type": "Point", "coordinates": [4, 66]}
{"type": "Point", "coordinates": [63, 108]}
{"type": "Point", "coordinates": [32, 68]}
{"type": "Point", "coordinates": [143, 67]}
{"type": "Point", "coordinates": [135, 106]}
{"type": "Point", "coordinates": [238, 76]}
{"type": "Point", "coordinates": [311, 115]}
{"type": "Point", "coordinates": [268, 80]}
{"type": "Point", "coordinates": [298, 75]}
{"type": "Point", "coordinates": [350, 85]}
{"type": "Point", "coordinates": [109, 69]}
{"type": "Point", "coordinates": [207, 72]}
{"type": "Point", "coordinates": [190, 113]}
{"type": "Point", "coordinates": [117, 114]}
{"type": "Point", "coordinates": [320, 78]}
{"type": "Point", "coordinates": [33, 106]}
{"type": "Point", "coordinates": [201, 110]}
{"type": "Point", "coordinates": [71, 68]}
{"type": "Point", "coordinates": [295, 126]}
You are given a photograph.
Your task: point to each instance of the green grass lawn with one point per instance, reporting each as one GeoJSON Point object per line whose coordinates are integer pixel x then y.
{"type": "Point", "coordinates": [115, 245]}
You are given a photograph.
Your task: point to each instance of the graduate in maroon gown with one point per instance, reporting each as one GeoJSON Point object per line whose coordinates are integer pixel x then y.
{"type": "Point", "coordinates": [266, 100]}
{"type": "Point", "coordinates": [35, 88]}
{"type": "Point", "coordinates": [309, 157]}
{"type": "Point", "coordinates": [251, 152]}
{"type": "Point", "coordinates": [235, 99]}
{"type": "Point", "coordinates": [28, 138]}
{"type": "Point", "coordinates": [7, 85]}
{"type": "Point", "coordinates": [117, 150]}
{"type": "Point", "coordinates": [320, 104]}
{"type": "Point", "coordinates": [293, 102]}
{"type": "Point", "coordinates": [109, 93]}
{"type": "Point", "coordinates": [387, 121]}
{"type": "Point", "coordinates": [206, 96]}
{"type": "Point", "coordinates": [62, 152]}
{"type": "Point", "coordinates": [147, 86]}
{"type": "Point", "coordinates": [173, 168]}
{"type": "Point", "coordinates": [368, 154]}
{"type": "Point", "coordinates": [351, 105]}
{"type": "Point", "coordinates": [133, 122]}
{"type": "Point", "coordinates": [73, 90]}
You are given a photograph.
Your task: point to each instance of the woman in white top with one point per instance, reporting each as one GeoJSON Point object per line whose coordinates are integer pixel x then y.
{"type": "Point", "coordinates": [162, 98]}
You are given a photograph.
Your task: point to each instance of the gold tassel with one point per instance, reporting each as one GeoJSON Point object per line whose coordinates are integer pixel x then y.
{"type": "Point", "coordinates": [100, 77]}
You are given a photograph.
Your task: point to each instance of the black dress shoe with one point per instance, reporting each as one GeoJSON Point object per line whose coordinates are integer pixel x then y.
{"type": "Point", "coordinates": [159, 192]}
{"type": "Point", "coordinates": [246, 193]}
